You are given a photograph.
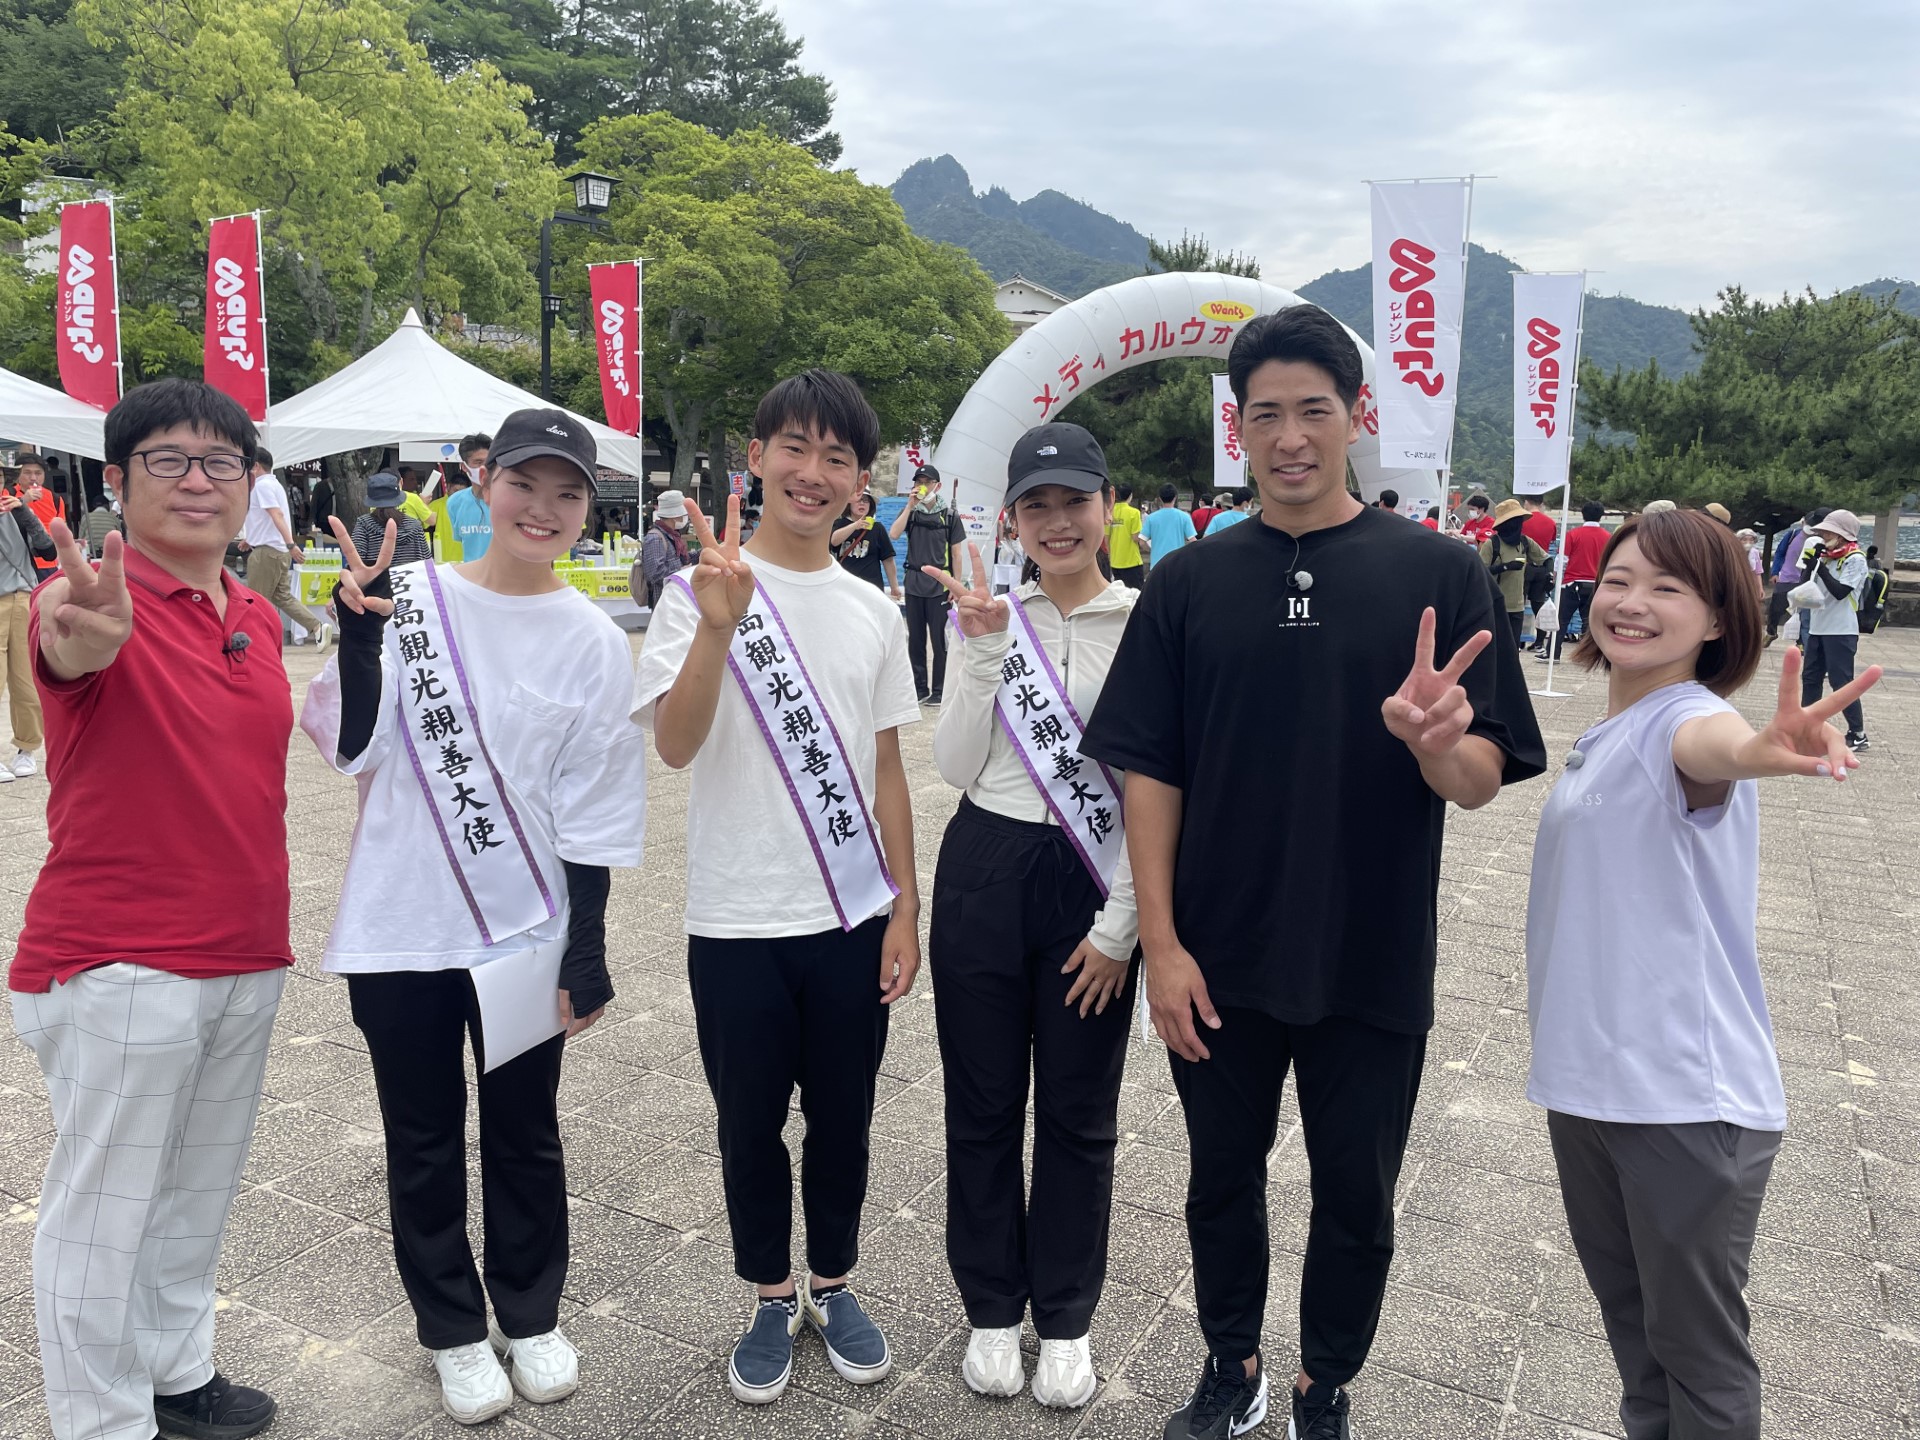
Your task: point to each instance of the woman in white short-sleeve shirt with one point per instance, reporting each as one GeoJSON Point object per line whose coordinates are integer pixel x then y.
{"type": "Point", "coordinates": [1652, 1048]}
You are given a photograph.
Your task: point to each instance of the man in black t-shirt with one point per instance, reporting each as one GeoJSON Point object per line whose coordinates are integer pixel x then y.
{"type": "Point", "coordinates": [934, 534]}
{"type": "Point", "coordinates": [1310, 689]}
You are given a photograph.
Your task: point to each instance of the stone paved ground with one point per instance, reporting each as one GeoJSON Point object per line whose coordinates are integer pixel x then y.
{"type": "Point", "coordinates": [1488, 1329]}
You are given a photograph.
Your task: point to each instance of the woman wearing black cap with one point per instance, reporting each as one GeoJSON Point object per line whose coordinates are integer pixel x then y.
{"type": "Point", "coordinates": [1033, 929]}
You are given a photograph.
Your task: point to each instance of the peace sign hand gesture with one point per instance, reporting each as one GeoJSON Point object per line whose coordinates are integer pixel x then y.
{"type": "Point", "coordinates": [86, 615]}
{"type": "Point", "coordinates": [722, 582]}
{"type": "Point", "coordinates": [356, 575]}
{"type": "Point", "coordinates": [1430, 711]}
{"type": "Point", "coordinates": [975, 609]}
{"type": "Point", "coordinates": [1798, 740]}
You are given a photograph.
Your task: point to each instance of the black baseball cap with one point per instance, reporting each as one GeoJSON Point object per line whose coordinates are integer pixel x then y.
{"type": "Point", "coordinates": [529, 434]}
{"type": "Point", "coordinates": [1056, 454]}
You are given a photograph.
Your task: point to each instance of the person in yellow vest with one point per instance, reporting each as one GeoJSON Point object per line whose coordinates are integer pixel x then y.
{"type": "Point", "coordinates": [1124, 545]}
{"type": "Point", "coordinates": [446, 541]}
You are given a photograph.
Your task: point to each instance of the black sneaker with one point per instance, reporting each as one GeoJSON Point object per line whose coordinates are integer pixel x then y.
{"type": "Point", "coordinates": [1224, 1404]}
{"type": "Point", "coordinates": [922, 695]}
{"type": "Point", "coordinates": [218, 1410]}
{"type": "Point", "coordinates": [1320, 1414]}
{"type": "Point", "coordinates": [933, 700]}
{"type": "Point", "coordinates": [1857, 741]}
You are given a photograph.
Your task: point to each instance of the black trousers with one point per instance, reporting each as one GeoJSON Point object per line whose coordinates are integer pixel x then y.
{"type": "Point", "coordinates": [1517, 621]}
{"type": "Point", "coordinates": [1357, 1086]}
{"type": "Point", "coordinates": [1777, 605]}
{"type": "Point", "coordinates": [416, 1024]}
{"type": "Point", "coordinates": [1663, 1218]}
{"type": "Point", "coordinates": [772, 1014]}
{"type": "Point", "coordinates": [927, 624]}
{"type": "Point", "coordinates": [1134, 577]}
{"type": "Point", "coordinates": [1575, 597]}
{"type": "Point", "coordinates": [1011, 902]}
{"type": "Point", "coordinates": [1830, 660]}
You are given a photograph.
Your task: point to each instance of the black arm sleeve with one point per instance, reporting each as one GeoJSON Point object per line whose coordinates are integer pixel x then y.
{"type": "Point", "coordinates": [1830, 577]}
{"type": "Point", "coordinates": [361, 636]}
{"type": "Point", "coordinates": [583, 969]}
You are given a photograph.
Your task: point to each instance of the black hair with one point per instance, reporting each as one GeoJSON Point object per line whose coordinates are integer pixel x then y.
{"type": "Point", "coordinates": [162, 404]}
{"type": "Point", "coordinates": [1389, 499]}
{"type": "Point", "coordinates": [1433, 512]}
{"type": "Point", "coordinates": [1479, 502]}
{"type": "Point", "coordinates": [1123, 492]}
{"type": "Point", "coordinates": [1298, 333]}
{"type": "Point", "coordinates": [1592, 510]}
{"type": "Point", "coordinates": [263, 457]}
{"type": "Point", "coordinates": [823, 403]}
{"type": "Point", "coordinates": [477, 441]}
{"type": "Point", "coordinates": [1873, 553]}
{"type": "Point", "coordinates": [1168, 494]}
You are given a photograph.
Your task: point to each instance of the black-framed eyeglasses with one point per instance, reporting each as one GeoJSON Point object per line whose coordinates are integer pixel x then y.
{"type": "Point", "coordinates": [174, 464]}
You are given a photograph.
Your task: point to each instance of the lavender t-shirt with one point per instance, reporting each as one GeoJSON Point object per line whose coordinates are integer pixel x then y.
{"type": "Point", "coordinates": [1643, 974]}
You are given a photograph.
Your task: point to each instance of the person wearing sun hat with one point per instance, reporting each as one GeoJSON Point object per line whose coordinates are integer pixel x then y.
{"type": "Point", "coordinates": [1830, 597]}
{"type": "Point", "coordinates": [1507, 553]}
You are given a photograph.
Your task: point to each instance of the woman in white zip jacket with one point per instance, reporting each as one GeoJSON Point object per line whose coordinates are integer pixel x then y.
{"type": "Point", "coordinates": [1032, 966]}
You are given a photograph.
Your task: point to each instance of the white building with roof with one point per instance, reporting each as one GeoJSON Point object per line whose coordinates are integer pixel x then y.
{"type": "Point", "coordinates": [1026, 302]}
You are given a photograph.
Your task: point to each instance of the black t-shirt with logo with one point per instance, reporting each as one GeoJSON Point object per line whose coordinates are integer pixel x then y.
{"type": "Point", "coordinates": [865, 553]}
{"type": "Point", "coordinates": [1262, 703]}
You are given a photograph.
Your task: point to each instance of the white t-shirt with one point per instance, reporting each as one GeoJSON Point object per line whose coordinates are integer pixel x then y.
{"type": "Point", "coordinates": [1643, 972]}
{"type": "Point", "coordinates": [268, 494]}
{"type": "Point", "coordinates": [551, 677]}
{"type": "Point", "coordinates": [751, 872]}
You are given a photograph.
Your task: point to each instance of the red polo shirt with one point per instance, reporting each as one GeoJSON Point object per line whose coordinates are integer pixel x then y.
{"type": "Point", "coordinates": [1585, 545]}
{"type": "Point", "coordinates": [1541, 528]}
{"type": "Point", "coordinates": [168, 817]}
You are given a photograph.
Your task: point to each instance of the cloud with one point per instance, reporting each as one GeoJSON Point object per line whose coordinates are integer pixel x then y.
{"type": "Point", "coordinates": [1675, 148]}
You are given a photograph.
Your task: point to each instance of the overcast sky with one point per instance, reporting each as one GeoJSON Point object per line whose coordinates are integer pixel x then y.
{"type": "Point", "coordinates": [1676, 146]}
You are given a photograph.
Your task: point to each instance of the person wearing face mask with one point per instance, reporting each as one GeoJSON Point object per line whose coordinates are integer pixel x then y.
{"type": "Point", "coordinates": [1508, 553]}
{"type": "Point", "coordinates": [933, 533]}
{"type": "Point", "coordinates": [664, 552]}
{"type": "Point", "coordinates": [467, 510]}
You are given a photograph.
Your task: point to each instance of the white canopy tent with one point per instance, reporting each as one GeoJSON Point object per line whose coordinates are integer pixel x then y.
{"type": "Point", "coordinates": [410, 388]}
{"type": "Point", "coordinates": [50, 418]}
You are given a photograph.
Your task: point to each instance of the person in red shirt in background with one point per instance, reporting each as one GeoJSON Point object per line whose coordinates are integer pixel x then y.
{"type": "Point", "coordinates": [42, 501]}
{"type": "Point", "coordinates": [1479, 522]}
{"type": "Point", "coordinates": [1585, 544]}
{"type": "Point", "coordinates": [1541, 528]}
{"type": "Point", "coordinates": [1432, 522]}
{"type": "Point", "coordinates": [1203, 514]}
{"type": "Point", "coordinates": [156, 940]}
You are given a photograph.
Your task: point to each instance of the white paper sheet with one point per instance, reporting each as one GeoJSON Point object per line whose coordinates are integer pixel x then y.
{"type": "Point", "coordinates": [519, 1001]}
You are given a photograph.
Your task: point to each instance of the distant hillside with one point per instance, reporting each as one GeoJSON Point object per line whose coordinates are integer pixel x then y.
{"type": "Point", "coordinates": [1907, 293]}
{"type": "Point", "coordinates": [1060, 242]}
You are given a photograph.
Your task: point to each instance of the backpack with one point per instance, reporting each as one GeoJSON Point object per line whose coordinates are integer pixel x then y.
{"type": "Point", "coordinates": [1873, 600]}
{"type": "Point", "coordinates": [1499, 567]}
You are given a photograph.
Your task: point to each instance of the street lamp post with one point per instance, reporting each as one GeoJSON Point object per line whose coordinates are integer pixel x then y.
{"type": "Point", "coordinates": [591, 194]}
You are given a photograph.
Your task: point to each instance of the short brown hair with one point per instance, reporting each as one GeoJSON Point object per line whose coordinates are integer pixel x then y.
{"type": "Point", "coordinates": [1699, 551]}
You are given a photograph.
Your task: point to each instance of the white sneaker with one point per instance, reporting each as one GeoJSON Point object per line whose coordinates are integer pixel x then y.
{"type": "Point", "coordinates": [6, 775]}
{"type": "Point", "coordinates": [1064, 1379]}
{"type": "Point", "coordinates": [992, 1366]}
{"type": "Point", "coordinates": [473, 1387]}
{"type": "Point", "coordinates": [23, 764]}
{"type": "Point", "coordinates": [323, 638]}
{"type": "Point", "coordinates": [546, 1367]}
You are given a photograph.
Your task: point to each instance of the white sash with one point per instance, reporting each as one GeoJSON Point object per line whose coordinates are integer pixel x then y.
{"type": "Point", "coordinates": [1046, 731]}
{"type": "Point", "coordinates": [812, 759]}
{"type": "Point", "coordinates": [485, 844]}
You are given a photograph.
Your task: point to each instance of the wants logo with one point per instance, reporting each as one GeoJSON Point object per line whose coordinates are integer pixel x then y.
{"type": "Point", "coordinates": [1232, 311]}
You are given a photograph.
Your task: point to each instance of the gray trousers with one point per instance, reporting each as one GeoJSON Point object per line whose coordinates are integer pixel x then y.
{"type": "Point", "coordinates": [1663, 1220]}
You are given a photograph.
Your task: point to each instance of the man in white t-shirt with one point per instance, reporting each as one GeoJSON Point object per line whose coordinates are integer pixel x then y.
{"type": "Point", "coordinates": [267, 537]}
{"type": "Point", "coordinates": [791, 981]}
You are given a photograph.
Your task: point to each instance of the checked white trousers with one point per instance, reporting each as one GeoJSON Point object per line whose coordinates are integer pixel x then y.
{"type": "Point", "coordinates": [154, 1082]}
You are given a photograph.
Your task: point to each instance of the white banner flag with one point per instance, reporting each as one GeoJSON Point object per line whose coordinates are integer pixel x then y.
{"type": "Point", "coordinates": [1419, 293]}
{"type": "Point", "coordinates": [1229, 460]}
{"type": "Point", "coordinates": [913, 455]}
{"type": "Point", "coordinates": [1546, 347]}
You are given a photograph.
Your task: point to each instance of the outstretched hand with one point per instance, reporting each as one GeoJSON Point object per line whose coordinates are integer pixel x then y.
{"type": "Point", "coordinates": [1798, 740]}
{"type": "Point", "coordinates": [1430, 711]}
{"type": "Point", "coordinates": [86, 614]}
{"type": "Point", "coordinates": [722, 582]}
{"type": "Point", "coordinates": [356, 574]}
{"type": "Point", "coordinates": [975, 610]}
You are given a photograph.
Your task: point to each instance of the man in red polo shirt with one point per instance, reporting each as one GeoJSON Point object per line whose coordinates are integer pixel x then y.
{"type": "Point", "coordinates": [156, 937]}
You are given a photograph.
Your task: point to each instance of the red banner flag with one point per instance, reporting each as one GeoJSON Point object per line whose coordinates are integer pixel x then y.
{"type": "Point", "coordinates": [236, 351]}
{"type": "Point", "coordinates": [615, 291]}
{"type": "Point", "coordinates": [87, 314]}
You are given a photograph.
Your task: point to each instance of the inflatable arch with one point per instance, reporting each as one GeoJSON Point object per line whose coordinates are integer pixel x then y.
{"type": "Point", "coordinates": [1154, 317]}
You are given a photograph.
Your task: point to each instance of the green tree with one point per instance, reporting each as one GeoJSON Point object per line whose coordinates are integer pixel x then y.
{"type": "Point", "coordinates": [761, 263]}
{"type": "Point", "coordinates": [1808, 401]}
{"type": "Point", "coordinates": [726, 65]}
{"type": "Point", "coordinates": [54, 82]}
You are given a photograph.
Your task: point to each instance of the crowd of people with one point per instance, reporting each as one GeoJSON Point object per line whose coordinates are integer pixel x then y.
{"type": "Point", "coordinates": [1312, 690]}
